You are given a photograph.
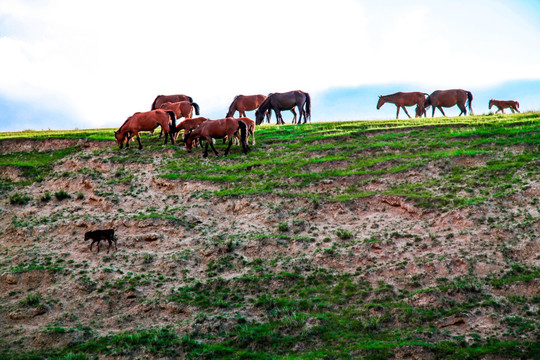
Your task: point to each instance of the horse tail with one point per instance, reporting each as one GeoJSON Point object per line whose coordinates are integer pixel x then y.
{"type": "Point", "coordinates": [308, 107]}
{"type": "Point", "coordinates": [197, 109]}
{"type": "Point", "coordinates": [517, 104]}
{"type": "Point", "coordinates": [469, 100]}
{"type": "Point", "coordinates": [172, 116]}
{"type": "Point", "coordinates": [154, 103]}
{"type": "Point", "coordinates": [243, 135]}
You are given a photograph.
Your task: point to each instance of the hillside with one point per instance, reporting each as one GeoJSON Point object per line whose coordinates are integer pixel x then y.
{"type": "Point", "coordinates": [412, 239]}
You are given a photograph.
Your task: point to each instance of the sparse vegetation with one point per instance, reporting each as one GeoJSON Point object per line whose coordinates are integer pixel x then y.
{"type": "Point", "coordinates": [388, 239]}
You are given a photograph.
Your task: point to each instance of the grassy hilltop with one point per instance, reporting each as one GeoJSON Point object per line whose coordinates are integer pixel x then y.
{"type": "Point", "coordinates": [365, 239]}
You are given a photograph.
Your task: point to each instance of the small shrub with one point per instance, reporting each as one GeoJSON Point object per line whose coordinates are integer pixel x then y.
{"type": "Point", "coordinates": [31, 300]}
{"type": "Point", "coordinates": [344, 234]}
{"type": "Point", "coordinates": [45, 197]}
{"type": "Point", "coordinates": [283, 226]}
{"type": "Point", "coordinates": [61, 195]}
{"type": "Point", "coordinates": [18, 199]}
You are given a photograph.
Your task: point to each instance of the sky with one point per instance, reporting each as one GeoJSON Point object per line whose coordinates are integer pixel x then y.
{"type": "Point", "coordinates": [67, 64]}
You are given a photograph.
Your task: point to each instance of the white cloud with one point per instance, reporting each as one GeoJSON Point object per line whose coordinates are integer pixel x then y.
{"type": "Point", "coordinates": [104, 60]}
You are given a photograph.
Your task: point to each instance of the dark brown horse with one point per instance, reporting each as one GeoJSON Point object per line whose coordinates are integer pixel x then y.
{"type": "Point", "coordinates": [402, 99]}
{"type": "Point", "coordinates": [448, 98]}
{"type": "Point", "coordinates": [145, 121]}
{"type": "Point", "coordinates": [161, 99]}
{"type": "Point", "coordinates": [285, 101]}
{"type": "Point", "coordinates": [503, 104]}
{"type": "Point", "coordinates": [218, 129]}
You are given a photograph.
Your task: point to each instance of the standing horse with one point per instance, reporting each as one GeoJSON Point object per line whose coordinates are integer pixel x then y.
{"type": "Point", "coordinates": [161, 99]}
{"type": "Point", "coordinates": [285, 101]}
{"type": "Point", "coordinates": [243, 103]}
{"type": "Point", "coordinates": [503, 104]}
{"type": "Point", "coordinates": [145, 121]}
{"type": "Point", "coordinates": [402, 99]}
{"type": "Point", "coordinates": [448, 98]}
{"type": "Point", "coordinates": [218, 129]}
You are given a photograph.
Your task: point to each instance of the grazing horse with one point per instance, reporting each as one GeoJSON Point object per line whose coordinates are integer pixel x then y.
{"type": "Point", "coordinates": [161, 99]}
{"type": "Point", "coordinates": [402, 99]}
{"type": "Point", "coordinates": [448, 98]}
{"type": "Point", "coordinates": [188, 125]}
{"type": "Point", "coordinates": [285, 101]}
{"type": "Point", "coordinates": [145, 121]}
{"type": "Point", "coordinates": [218, 129]}
{"type": "Point", "coordinates": [503, 104]}
{"type": "Point", "coordinates": [98, 235]}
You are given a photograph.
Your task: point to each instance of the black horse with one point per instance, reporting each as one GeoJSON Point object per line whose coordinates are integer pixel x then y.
{"type": "Point", "coordinates": [285, 101]}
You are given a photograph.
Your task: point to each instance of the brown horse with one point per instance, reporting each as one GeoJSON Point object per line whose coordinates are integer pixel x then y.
{"type": "Point", "coordinates": [402, 99]}
{"type": "Point", "coordinates": [243, 103]}
{"type": "Point", "coordinates": [285, 101]}
{"type": "Point", "coordinates": [145, 121]}
{"type": "Point", "coordinates": [188, 125]}
{"type": "Point", "coordinates": [218, 129]}
{"type": "Point", "coordinates": [161, 99]}
{"type": "Point", "coordinates": [503, 104]}
{"type": "Point", "coordinates": [448, 98]}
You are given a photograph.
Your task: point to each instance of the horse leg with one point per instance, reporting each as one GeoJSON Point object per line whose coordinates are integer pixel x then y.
{"type": "Point", "coordinates": [463, 109]}
{"type": "Point", "coordinates": [205, 155]}
{"type": "Point", "coordinates": [212, 145]}
{"type": "Point", "coordinates": [294, 118]}
{"type": "Point", "coordinates": [406, 112]}
{"type": "Point", "coordinates": [440, 109]}
{"type": "Point", "coordinates": [230, 143]}
{"type": "Point", "coordinates": [279, 119]}
{"type": "Point", "coordinates": [139, 140]}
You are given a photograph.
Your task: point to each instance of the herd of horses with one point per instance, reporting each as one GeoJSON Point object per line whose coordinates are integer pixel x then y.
{"type": "Point", "coordinates": [167, 109]}
{"type": "Point", "coordinates": [439, 99]}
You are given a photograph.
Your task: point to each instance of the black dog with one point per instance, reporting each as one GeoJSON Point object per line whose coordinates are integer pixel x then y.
{"type": "Point", "coordinates": [98, 235]}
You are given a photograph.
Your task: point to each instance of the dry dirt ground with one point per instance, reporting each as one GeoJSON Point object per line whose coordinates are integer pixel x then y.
{"type": "Point", "coordinates": [394, 242]}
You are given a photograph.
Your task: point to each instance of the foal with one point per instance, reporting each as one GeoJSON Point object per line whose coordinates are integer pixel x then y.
{"type": "Point", "coordinates": [98, 235]}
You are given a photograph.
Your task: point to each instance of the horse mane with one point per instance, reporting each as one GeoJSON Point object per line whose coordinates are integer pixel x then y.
{"type": "Point", "coordinates": [125, 122]}
{"type": "Point", "coordinates": [154, 103]}
{"type": "Point", "coordinates": [265, 105]}
{"type": "Point", "coordinates": [233, 104]}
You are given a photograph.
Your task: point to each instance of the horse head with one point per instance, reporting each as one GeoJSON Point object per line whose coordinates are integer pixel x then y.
{"type": "Point", "coordinates": [259, 116]}
{"type": "Point", "coordinates": [380, 102]}
{"type": "Point", "coordinates": [120, 138]}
